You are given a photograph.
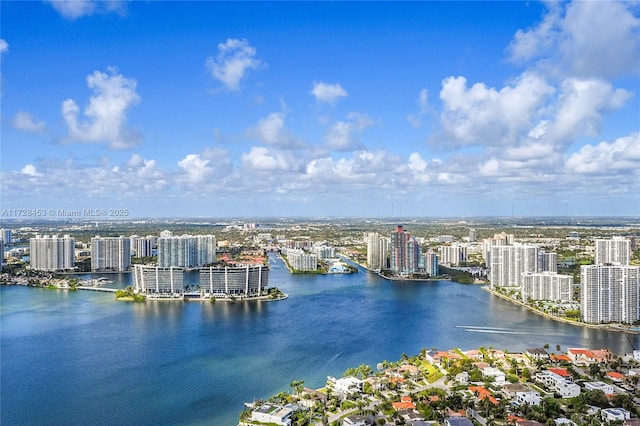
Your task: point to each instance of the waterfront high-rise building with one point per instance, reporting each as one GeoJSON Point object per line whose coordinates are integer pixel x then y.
{"type": "Point", "coordinates": [377, 251]}
{"type": "Point", "coordinates": [157, 281]}
{"type": "Point", "coordinates": [186, 251]}
{"type": "Point", "coordinates": [142, 246]}
{"type": "Point", "coordinates": [324, 251]}
{"type": "Point", "coordinates": [472, 235]}
{"type": "Point", "coordinates": [52, 253]}
{"type": "Point", "coordinates": [452, 255]}
{"type": "Point", "coordinates": [610, 293]}
{"type": "Point", "coordinates": [431, 263]}
{"type": "Point", "coordinates": [110, 253]}
{"type": "Point", "coordinates": [509, 262]}
{"type": "Point", "coordinates": [614, 251]}
{"type": "Point", "coordinates": [5, 236]}
{"type": "Point", "coordinates": [205, 250]}
{"type": "Point", "coordinates": [300, 260]}
{"type": "Point", "coordinates": [547, 261]}
{"type": "Point", "coordinates": [1, 252]}
{"type": "Point", "coordinates": [501, 239]}
{"type": "Point", "coordinates": [405, 252]}
{"type": "Point", "coordinates": [547, 286]}
{"type": "Point", "coordinates": [247, 280]}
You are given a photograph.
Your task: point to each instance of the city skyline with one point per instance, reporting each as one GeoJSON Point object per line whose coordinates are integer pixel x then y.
{"type": "Point", "coordinates": [209, 109]}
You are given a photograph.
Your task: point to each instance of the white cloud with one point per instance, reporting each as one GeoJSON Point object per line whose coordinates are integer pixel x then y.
{"type": "Point", "coordinates": [30, 170]}
{"type": "Point", "coordinates": [196, 168]}
{"type": "Point", "coordinates": [327, 92]}
{"type": "Point", "coordinates": [25, 121]}
{"type": "Point", "coordinates": [583, 39]}
{"type": "Point", "coordinates": [581, 105]}
{"type": "Point", "coordinates": [343, 135]}
{"type": "Point", "coordinates": [606, 158]}
{"type": "Point", "coordinates": [234, 58]}
{"type": "Point", "coordinates": [423, 105]}
{"type": "Point", "coordinates": [486, 116]}
{"type": "Point", "coordinates": [4, 46]}
{"type": "Point", "coordinates": [528, 151]}
{"type": "Point", "coordinates": [104, 118]}
{"type": "Point", "coordinates": [263, 159]}
{"type": "Point", "coordinates": [272, 131]}
{"type": "Point", "coordinates": [529, 44]}
{"type": "Point", "coordinates": [74, 9]}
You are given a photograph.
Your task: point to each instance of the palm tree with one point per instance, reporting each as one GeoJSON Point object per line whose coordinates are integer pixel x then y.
{"type": "Point", "coordinates": [297, 386]}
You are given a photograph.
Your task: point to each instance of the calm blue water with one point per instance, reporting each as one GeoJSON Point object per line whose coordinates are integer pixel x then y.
{"type": "Point", "coordinates": [82, 358]}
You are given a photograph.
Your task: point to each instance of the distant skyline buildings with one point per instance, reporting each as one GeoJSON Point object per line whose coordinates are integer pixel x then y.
{"type": "Point", "coordinates": [546, 285]}
{"type": "Point", "coordinates": [110, 253]}
{"type": "Point", "coordinates": [143, 246]}
{"type": "Point", "coordinates": [431, 263]}
{"type": "Point", "coordinates": [300, 260]}
{"type": "Point", "coordinates": [610, 288]}
{"type": "Point", "coordinates": [610, 293]}
{"type": "Point", "coordinates": [52, 252]}
{"type": "Point", "coordinates": [378, 248]}
{"type": "Point", "coordinates": [509, 262]}
{"type": "Point", "coordinates": [186, 251]}
{"type": "Point", "coordinates": [614, 250]}
{"type": "Point", "coordinates": [453, 254]}
{"type": "Point", "coordinates": [405, 252]}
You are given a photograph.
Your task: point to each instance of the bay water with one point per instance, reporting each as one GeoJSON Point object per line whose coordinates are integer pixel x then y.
{"type": "Point", "coordinates": [83, 358]}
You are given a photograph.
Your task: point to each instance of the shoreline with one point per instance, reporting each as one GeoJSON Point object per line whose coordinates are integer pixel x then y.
{"type": "Point", "coordinates": [607, 327]}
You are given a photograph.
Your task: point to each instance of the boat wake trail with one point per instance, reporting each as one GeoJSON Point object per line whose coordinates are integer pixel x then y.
{"type": "Point", "coordinates": [494, 330]}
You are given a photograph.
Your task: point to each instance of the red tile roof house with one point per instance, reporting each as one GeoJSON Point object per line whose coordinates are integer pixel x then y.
{"type": "Point", "coordinates": [483, 393]}
{"type": "Point", "coordinates": [588, 356]}
{"type": "Point", "coordinates": [439, 358]}
{"type": "Point", "coordinates": [560, 358]}
{"type": "Point", "coordinates": [615, 376]}
{"type": "Point", "coordinates": [405, 404]}
{"type": "Point", "coordinates": [561, 372]}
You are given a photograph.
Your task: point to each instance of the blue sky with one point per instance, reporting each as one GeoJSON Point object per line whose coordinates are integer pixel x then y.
{"type": "Point", "coordinates": [321, 109]}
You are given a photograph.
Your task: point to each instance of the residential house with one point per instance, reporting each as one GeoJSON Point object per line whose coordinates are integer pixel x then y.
{"type": "Point", "coordinates": [411, 416]}
{"type": "Point", "coordinates": [497, 375]}
{"type": "Point", "coordinates": [557, 384]}
{"type": "Point", "coordinates": [537, 354]}
{"type": "Point", "coordinates": [563, 421]}
{"type": "Point", "coordinates": [272, 413]}
{"type": "Point", "coordinates": [615, 376]}
{"type": "Point", "coordinates": [310, 397]}
{"type": "Point", "coordinates": [358, 420]}
{"type": "Point", "coordinates": [511, 389]}
{"type": "Point", "coordinates": [405, 403]}
{"type": "Point", "coordinates": [347, 385]}
{"type": "Point", "coordinates": [581, 356]}
{"type": "Point", "coordinates": [604, 387]}
{"type": "Point", "coordinates": [613, 414]}
{"type": "Point", "coordinates": [483, 393]}
{"type": "Point", "coordinates": [457, 421]}
{"type": "Point", "coordinates": [530, 397]}
{"type": "Point", "coordinates": [563, 372]}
